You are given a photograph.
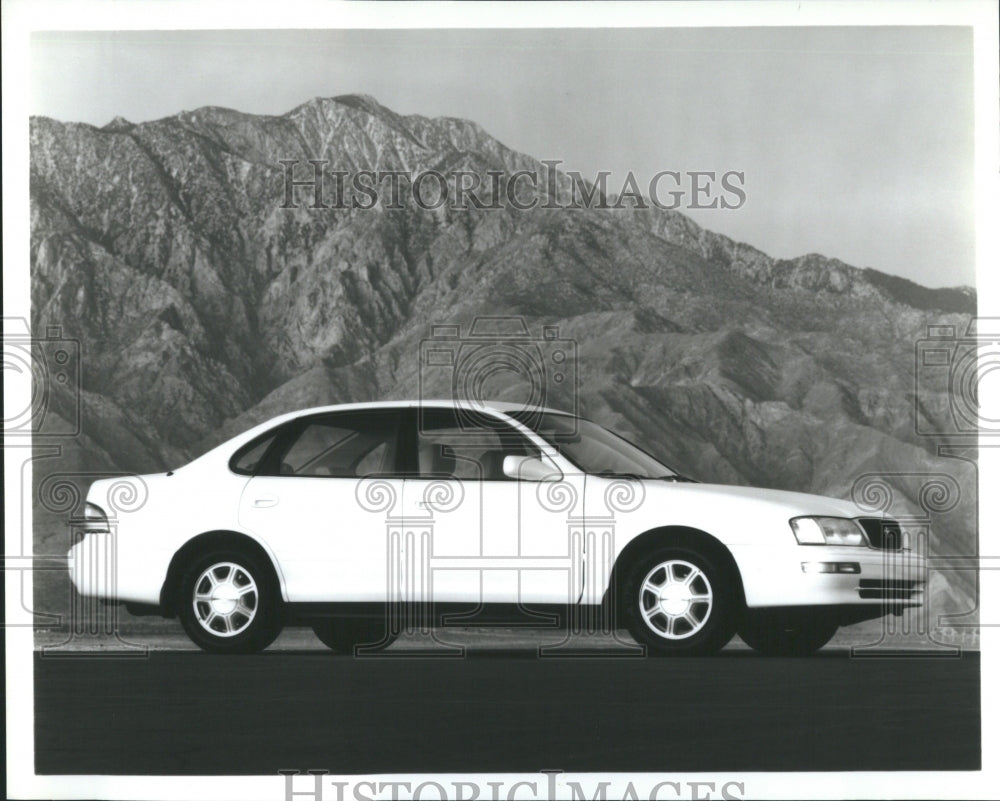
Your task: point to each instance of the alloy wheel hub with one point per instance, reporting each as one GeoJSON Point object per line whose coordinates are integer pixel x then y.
{"type": "Point", "coordinates": [225, 599]}
{"type": "Point", "coordinates": [676, 599]}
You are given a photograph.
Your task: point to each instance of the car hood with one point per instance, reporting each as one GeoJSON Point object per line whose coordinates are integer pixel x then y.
{"type": "Point", "coordinates": [778, 501]}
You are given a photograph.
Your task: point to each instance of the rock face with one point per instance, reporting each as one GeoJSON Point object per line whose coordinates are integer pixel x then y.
{"type": "Point", "coordinates": [202, 306]}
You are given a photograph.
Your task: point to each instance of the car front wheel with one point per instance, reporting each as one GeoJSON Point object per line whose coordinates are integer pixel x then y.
{"type": "Point", "coordinates": [230, 603]}
{"type": "Point", "coordinates": [680, 601]}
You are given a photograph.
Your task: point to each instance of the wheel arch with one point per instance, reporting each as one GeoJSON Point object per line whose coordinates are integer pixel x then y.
{"type": "Point", "coordinates": [670, 535]}
{"type": "Point", "coordinates": [210, 539]}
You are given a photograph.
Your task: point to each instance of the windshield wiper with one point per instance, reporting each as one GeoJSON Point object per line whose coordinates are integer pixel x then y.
{"type": "Point", "coordinates": [614, 474]}
{"type": "Point", "coordinates": [637, 477]}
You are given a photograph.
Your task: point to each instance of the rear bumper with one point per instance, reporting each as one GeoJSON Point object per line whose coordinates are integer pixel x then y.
{"type": "Point", "coordinates": [886, 579]}
{"type": "Point", "coordinates": [98, 569]}
{"type": "Point", "coordinates": [92, 567]}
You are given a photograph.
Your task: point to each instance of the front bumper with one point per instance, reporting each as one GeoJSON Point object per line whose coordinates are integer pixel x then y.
{"type": "Point", "coordinates": [775, 577]}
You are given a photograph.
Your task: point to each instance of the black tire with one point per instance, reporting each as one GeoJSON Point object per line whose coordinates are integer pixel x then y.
{"type": "Point", "coordinates": [343, 635]}
{"type": "Point", "coordinates": [662, 625]}
{"type": "Point", "coordinates": [247, 605]}
{"type": "Point", "coordinates": [784, 633]}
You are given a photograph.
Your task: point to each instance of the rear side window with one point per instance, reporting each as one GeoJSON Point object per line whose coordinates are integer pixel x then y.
{"type": "Point", "coordinates": [246, 459]}
{"type": "Point", "coordinates": [340, 446]}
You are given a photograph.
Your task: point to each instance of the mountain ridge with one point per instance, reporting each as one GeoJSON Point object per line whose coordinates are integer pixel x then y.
{"type": "Point", "coordinates": [372, 108]}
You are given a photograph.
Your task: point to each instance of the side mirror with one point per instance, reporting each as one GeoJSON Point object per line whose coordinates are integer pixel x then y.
{"type": "Point", "coordinates": [528, 468]}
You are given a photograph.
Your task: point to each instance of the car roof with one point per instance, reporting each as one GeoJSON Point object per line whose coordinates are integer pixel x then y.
{"type": "Point", "coordinates": [224, 449]}
{"type": "Point", "coordinates": [502, 407]}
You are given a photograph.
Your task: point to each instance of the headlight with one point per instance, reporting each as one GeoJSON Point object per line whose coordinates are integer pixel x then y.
{"type": "Point", "coordinates": [95, 521]}
{"type": "Point", "coordinates": [827, 531]}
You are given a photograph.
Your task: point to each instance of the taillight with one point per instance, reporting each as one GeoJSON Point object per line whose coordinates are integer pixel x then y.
{"type": "Point", "coordinates": [95, 521]}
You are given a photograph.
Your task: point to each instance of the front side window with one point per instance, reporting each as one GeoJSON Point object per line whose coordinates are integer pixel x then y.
{"type": "Point", "coordinates": [340, 446]}
{"type": "Point", "coordinates": [594, 449]}
{"type": "Point", "coordinates": [449, 448]}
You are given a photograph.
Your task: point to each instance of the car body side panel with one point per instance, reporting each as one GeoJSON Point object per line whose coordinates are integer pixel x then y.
{"type": "Point", "coordinates": [328, 535]}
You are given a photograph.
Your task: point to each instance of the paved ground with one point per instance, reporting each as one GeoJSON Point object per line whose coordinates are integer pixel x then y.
{"type": "Point", "coordinates": [500, 709]}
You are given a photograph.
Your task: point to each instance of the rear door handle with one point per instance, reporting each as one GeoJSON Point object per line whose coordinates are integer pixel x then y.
{"type": "Point", "coordinates": [263, 503]}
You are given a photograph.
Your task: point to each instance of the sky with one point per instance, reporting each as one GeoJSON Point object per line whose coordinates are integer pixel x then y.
{"type": "Point", "coordinates": [856, 143]}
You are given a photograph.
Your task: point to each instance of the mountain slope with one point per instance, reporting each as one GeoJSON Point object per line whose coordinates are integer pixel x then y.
{"type": "Point", "coordinates": [203, 306]}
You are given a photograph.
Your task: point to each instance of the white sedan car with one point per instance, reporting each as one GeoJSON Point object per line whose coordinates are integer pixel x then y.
{"type": "Point", "coordinates": [364, 520]}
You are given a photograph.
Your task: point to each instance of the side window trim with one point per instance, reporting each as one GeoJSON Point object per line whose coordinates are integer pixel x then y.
{"type": "Point", "coordinates": [407, 465]}
{"type": "Point", "coordinates": [270, 461]}
{"type": "Point", "coordinates": [275, 434]}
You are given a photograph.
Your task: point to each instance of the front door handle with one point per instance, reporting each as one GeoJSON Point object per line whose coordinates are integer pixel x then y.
{"type": "Point", "coordinates": [263, 503]}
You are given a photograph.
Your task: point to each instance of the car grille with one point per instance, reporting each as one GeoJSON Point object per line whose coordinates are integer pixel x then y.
{"type": "Point", "coordinates": [885, 535]}
{"type": "Point", "coordinates": [890, 589]}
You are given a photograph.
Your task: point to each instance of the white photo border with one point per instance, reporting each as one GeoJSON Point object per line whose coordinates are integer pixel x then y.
{"type": "Point", "coordinates": [21, 17]}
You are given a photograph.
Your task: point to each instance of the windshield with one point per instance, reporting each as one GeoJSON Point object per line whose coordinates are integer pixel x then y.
{"type": "Point", "coordinates": [592, 448]}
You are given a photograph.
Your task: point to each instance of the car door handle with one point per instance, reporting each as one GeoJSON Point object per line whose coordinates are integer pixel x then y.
{"type": "Point", "coordinates": [263, 503]}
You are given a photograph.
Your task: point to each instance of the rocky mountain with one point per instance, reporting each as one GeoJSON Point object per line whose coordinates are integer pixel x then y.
{"type": "Point", "coordinates": [202, 306]}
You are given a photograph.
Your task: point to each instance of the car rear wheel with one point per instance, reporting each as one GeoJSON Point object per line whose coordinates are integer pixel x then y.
{"type": "Point", "coordinates": [678, 600]}
{"type": "Point", "coordinates": [344, 635]}
{"type": "Point", "coordinates": [784, 633]}
{"type": "Point", "coordinates": [230, 602]}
